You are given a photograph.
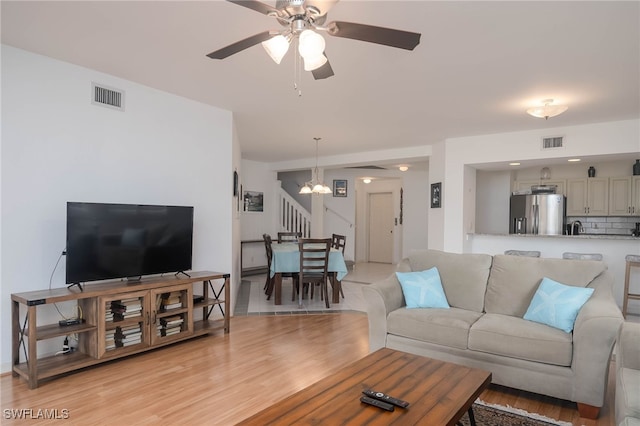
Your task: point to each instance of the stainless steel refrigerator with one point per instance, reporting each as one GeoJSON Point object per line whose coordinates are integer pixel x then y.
{"type": "Point", "coordinates": [542, 214]}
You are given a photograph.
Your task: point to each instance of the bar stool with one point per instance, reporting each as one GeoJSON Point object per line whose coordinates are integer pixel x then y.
{"type": "Point", "coordinates": [633, 261]}
{"type": "Point", "coordinates": [527, 253]}
{"type": "Point", "coordinates": [582, 256]}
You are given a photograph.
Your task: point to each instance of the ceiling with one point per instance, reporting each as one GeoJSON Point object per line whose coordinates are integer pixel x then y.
{"type": "Point", "coordinates": [478, 67]}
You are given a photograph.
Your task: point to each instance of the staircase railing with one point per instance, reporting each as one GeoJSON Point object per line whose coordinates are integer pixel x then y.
{"type": "Point", "coordinates": [335, 213]}
{"type": "Point", "coordinates": [293, 217]}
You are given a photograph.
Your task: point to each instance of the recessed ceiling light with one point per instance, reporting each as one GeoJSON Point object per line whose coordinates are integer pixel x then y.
{"type": "Point", "coordinates": [366, 180]}
{"type": "Point", "coordinates": [403, 168]}
{"type": "Point", "coordinates": [514, 164]}
{"type": "Point", "coordinates": [573, 160]}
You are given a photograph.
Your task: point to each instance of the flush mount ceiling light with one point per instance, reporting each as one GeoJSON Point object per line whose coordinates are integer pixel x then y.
{"type": "Point", "coordinates": [573, 160]}
{"type": "Point", "coordinates": [547, 109]}
{"type": "Point", "coordinates": [403, 168]}
{"type": "Point", "coordinates": [315, 186]}
{"type": "Point", "coordinates": [514, 164]}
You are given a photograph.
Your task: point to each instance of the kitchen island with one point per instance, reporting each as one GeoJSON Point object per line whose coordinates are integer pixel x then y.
{"type": "Point", "coordinates": [613, 248]}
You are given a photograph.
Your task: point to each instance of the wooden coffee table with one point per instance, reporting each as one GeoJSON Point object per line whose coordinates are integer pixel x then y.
{"type": "Point", "coordinates": [439, 393]}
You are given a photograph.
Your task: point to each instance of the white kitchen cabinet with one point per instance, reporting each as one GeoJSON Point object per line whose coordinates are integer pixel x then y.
{"type": "Point", "coordinates": [588, 197]}
{"type": "Point", "coordinates": [635, 196]}
{"type": "Point", "coordinates": [624, 196]}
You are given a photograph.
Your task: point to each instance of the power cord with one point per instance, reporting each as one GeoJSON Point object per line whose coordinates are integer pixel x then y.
{"type": "Point", "coordinates": [66, 349]}
{"type": "Point", "coordinates": [78, 308]}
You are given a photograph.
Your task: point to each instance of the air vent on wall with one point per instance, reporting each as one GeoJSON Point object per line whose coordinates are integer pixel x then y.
{"type": "Point", "coordinates": [106, 96]}
{"type": "Point", "coordinates": [552, 142]}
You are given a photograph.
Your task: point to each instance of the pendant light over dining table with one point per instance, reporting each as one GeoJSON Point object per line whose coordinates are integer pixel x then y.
{"type": "Point", "coordinates": [315, 186]}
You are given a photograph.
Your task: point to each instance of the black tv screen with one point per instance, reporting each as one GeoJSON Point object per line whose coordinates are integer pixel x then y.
{"type": "Point", "coordinates": [106, 241]}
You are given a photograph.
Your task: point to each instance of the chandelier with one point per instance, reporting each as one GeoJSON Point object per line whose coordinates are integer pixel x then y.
{"type": "Point", "coordinates": [315, 186]}
{"type": "Point", "coordinates": [547, 110]}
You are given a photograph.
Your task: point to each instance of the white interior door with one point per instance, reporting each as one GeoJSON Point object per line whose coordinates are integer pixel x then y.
{"type": "Point", "coordinates": [381, 227]}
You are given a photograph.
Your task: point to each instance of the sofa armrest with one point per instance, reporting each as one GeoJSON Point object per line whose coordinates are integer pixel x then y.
{"type": "Point", "coordinates": [594, 335]}
{"type": "Point", "coordinates": [381, 298]}
{"type": "Point", "coordinates": [628, 352]}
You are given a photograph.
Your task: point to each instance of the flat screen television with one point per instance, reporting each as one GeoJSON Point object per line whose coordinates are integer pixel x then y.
{"type": "Point", "coordinates": [106, 241]}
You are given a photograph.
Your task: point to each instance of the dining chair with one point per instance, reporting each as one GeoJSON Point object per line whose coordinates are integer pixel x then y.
{"type": "Point", "coordinates": [338, 242]}
{"type": "Point", "coordinates": [269, 282]}
{"type": "Point", "coordinates": [582, 256]}
{"type": "Point", "coordinates": [289, 237]}
{"type": "Point", "coordinates": [314, 265]}
{"type": "Point", "coordinates": [526, 253]}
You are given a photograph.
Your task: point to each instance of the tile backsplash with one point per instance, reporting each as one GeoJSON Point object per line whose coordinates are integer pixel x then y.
{"type": "Point", "coordinates": [607, 225]}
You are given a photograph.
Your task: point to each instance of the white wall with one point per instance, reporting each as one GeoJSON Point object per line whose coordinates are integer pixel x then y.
{"type": "Point", "coordinates": [415, 220]}
{"type": "Point", "coordinates": [492, 202]}
{"type": "Point", "coordinates": [618, 137]}
{"type": "Point", "coordinates": [257, 176]}
{"type": "Point", "coordinates": [58, 147]}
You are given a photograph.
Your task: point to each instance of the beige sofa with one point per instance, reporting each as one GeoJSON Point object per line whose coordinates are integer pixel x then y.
{"type": "Point", "coordinates": [484, 328]}
{"type": "Point", "coordinates": [628, 375]}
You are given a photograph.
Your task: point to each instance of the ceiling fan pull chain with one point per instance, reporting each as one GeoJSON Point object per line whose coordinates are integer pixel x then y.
{"type": "Point", "coordinates": [296, 71]}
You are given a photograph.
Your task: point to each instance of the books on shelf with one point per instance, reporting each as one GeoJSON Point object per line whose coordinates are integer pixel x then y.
{"type": "Point", "coordinates": [171, 300]}
{"type": "Point", "coordinates": [119, 310]}
{"type": "Point", "coordinates": [170, 325]}
{"type": "Point", "coordinates": [123, 336]}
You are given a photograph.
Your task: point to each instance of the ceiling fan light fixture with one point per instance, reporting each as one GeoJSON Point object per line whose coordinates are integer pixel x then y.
{"type": "Point", "coordinates": [311, 44]}
{"type": "Point", "coordinates": [276, 47]}
{"type": "Point", "coordinates": [547, 110]}
{"type": "Point", "coordinates": [311, 64]}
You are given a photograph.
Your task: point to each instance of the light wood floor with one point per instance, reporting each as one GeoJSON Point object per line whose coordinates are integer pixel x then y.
{"type": "Point", "coordinates": [222, 379]}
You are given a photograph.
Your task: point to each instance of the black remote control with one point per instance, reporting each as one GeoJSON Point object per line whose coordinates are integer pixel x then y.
{"type": "Point", "coordinates": [376, 403]}
{"type": "Point", "coordinates": [386, 398]}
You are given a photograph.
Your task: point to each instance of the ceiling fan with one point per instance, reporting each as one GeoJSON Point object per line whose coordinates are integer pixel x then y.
{"type": "Point", "coordinates": [302, 20]}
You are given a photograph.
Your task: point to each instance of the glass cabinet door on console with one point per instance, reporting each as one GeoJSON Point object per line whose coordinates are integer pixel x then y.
{"type": "Point", "coordinates": [125, 325]}
{"type": "Point", "coordinates": [171, 317]}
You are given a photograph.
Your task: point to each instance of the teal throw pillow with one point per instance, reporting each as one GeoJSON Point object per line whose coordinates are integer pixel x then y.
{"type": "Point", "coordinates": [423, 289]}
{"type": "Point", "coordinates": [556, 304]}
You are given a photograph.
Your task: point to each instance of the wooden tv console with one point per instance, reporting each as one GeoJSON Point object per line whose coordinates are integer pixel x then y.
{"type": "Point", "coordinates": [120, 318]}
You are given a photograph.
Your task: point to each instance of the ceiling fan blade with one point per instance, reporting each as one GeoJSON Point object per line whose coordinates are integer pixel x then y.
{"type": "Point", "coordinates": [241, 45]}
{"type": "Point", "coordinates": [322, 6]}
{"type": "Point", "coordinates": [323, 72]}
{"type": "Point", "coordinates": [387, 36]}
{"type": "Point", "coordinates": [258, 7]}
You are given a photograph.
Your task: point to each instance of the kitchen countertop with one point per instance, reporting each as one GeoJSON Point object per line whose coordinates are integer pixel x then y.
{"type": "Point", "coordinates": [581, 236]}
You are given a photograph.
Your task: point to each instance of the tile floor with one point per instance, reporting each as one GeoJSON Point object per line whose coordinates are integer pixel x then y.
{"type": "Point", "coordinates": [253, 301]}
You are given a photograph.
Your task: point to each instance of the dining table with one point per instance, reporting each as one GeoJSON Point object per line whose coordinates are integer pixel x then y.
{"type": "Point", "coordinates": [286, 258]}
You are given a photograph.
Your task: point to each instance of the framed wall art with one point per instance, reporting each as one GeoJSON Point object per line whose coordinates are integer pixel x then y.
{"type": "Point", "coordinates": [436, 195]}
{"type": "Point", "coordinates": [339, 187]}
{"type": "Point", "coordinates": [253, 201]}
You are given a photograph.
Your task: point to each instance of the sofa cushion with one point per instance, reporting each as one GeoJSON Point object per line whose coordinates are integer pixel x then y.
{"type": "Point", "coordinates": [557, 305]}
{"type": "Point", "coordinates": [514, 280]}
{"type": "Point", "coordinates": [518, 338]}
{"type": "Point", "coordinates": [423, 289]}
{"type": "Point", "coordinates": [448, 327]}
{"type": "Point", "coordinates": [464, 276]}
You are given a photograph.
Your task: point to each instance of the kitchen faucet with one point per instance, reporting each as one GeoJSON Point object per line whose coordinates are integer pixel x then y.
{"type": "Point", "coordinates": [576, 227]}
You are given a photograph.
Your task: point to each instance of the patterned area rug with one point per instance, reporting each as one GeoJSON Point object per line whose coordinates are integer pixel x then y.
{"type": "Point", "coordinates": [498, 415]}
